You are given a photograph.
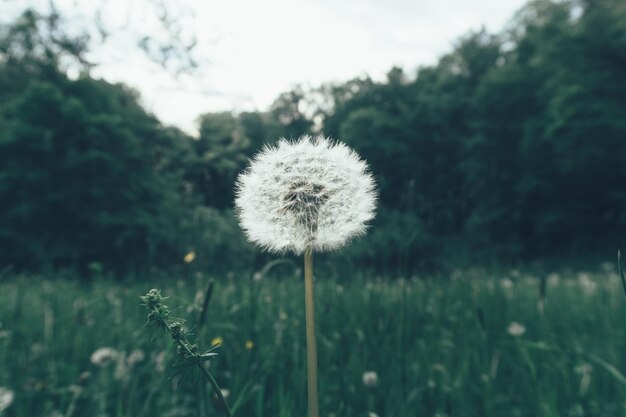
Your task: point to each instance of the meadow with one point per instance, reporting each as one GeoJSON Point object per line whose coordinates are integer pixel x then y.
{"type": "Point", "coordinates": [469, 343]}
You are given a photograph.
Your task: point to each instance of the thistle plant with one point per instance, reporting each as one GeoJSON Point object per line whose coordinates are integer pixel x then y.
{"type": "Point", "coordinates": [190, 357]}
{"type": "Point", "coordinates": [305, 196]}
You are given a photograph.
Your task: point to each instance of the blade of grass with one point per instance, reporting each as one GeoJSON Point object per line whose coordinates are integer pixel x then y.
{"type": "Point", "coordinates": [621, 273]}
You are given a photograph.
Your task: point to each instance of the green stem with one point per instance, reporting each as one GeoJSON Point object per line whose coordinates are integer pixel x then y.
{"type": "Point", "coordinates": [184, 342]}
{"type": "Point", "coordinates": [217, 390]}
{"type": "Point", "coordinates": [311, 349]}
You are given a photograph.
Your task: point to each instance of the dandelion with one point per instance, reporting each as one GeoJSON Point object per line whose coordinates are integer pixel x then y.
{"type": "Point", "coordinates": [516, 330]}
{"type": "Point", "coordinates": [123, 368]}
{"type": "Point", "coordinates": [506, 283]}
{"type": "Point", "coordinates": [136, 356]}
{"type": "Point", "coordinates": [584, 370]}
{"type": "Point", "coordinates": [554, 279]}
{"type": "Point", "coordinates": [6, 398]}
{"type": "Point", "coordinates": [217, 341]}
{"type": "Point", "coordinates": [159, 362]}
{"type": "Point", "coordinates": [190, 257]}
{"type": "Point", "coordinates": [305, 196]}
{"type": "Point", "coordinates": [586, 283]}
{"type": "Point", "coordinates": [370, 379]}
{"type": "Point", "coordinates": [249, 345]}
{"type": "Point", "coordinates": [308, 194]}
{"type": "Point", "coordinates": [103, 356]}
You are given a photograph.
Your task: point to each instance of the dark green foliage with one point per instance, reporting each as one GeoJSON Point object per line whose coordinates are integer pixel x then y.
{"type": "Point", "coordinates": [512, 147]}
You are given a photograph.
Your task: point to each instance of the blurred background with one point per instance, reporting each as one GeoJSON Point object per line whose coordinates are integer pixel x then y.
{"type": "Point", "coordinates": [496, 131]}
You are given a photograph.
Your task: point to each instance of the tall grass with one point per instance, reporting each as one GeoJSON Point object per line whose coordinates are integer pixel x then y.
{"type": "Point", "coordinates": [439, 347]}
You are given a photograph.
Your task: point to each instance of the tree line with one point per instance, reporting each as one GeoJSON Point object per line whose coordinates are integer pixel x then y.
{"type": "Point", "coordinates": [512, 147]}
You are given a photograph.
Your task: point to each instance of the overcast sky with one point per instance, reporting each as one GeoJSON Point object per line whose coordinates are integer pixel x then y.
{"type": "Point", "coordinates": [252, 50]}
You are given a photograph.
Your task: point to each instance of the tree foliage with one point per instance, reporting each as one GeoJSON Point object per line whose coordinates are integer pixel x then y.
{"type": "Point", "coordinates": [511, 147]}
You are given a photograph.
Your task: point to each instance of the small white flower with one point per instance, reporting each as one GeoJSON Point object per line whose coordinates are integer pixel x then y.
{"type": "Point", "coordinates": [554, 279]}
{"type": "Point", "coordinates": [506, 283]}
{"type": "Point", "coordinates": [370, 379]}
{"type": "Point", "coordinates": [310, 193]}
{"type": "Point", "coordinates": [103, 356]}
{"type": "Point", "coordinates": [586, 282]}
{"type": "Point", "coordinates": [583, 368]}
{"type": "Point", "coordinates": [6, 398]}
{"type": "Point", "coordinates": [159, 362]}
{"type": "Point", "coordinates": [135, 357]}
{"type": "Point", "coordinates": [516, 330]}
{"type": "Point", "coordinates": [372, 414]}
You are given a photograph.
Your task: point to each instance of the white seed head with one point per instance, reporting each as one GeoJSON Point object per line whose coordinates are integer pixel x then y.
{"type": "Point", "coordinates": [309, 193]}
{"type": "Point", "coordinates": [370, 379]}
{"type": "Point", "coordinates": [103, 356]}
{"type": "Point", "coordinates": [6, 398]}
{"type": "Point", "coordinates": [516, 329]}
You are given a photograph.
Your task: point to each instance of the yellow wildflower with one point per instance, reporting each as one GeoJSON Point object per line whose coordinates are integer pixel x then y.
{"type": "Point", "coordinates": [189, 258]}
{"type": "Point", "coordinates": [249, 344]}
{"type": "Point", "coordinates": [217, 341]}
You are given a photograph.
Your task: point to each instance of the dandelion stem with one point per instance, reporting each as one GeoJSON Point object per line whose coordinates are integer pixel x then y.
{"type": "Point", "coordinates": [311, 348]}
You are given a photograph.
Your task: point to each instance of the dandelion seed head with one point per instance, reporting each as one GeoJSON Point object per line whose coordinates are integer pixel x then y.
{"type": "Point", "coordinates": [103, 356]}
{"type": "Point", "coordinates": [6, 398]}
{"type": "Point", "coordinates": [370, 379]}
{"type": "Point", "coordinates": [225, 392]}
{"type": "Point", "coordinates": [311, 192]}
{"type": "Point", "coordinates": [516, 329]}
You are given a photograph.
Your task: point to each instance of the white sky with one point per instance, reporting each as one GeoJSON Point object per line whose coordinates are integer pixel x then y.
{"type": "Point", "coordinates": [252, 50]}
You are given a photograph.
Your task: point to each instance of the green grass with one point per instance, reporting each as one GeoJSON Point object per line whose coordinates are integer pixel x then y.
{"type": "Point", "coordinates": [439, 347]}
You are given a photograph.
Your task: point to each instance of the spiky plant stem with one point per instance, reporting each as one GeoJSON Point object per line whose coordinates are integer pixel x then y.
{"type": "Point", "coordinates": [311, 348]}
{"type": "Point", "coordinates": [158, 316]}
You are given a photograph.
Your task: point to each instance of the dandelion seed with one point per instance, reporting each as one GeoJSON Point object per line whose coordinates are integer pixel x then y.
{"type": "Point", "coordinates": [103, 356]}
{"type": "Point", "coordinates": [370, 379]}
{"type": "Point", "coordinates": [310, 193]}
{"type": "Point", "coordinates": [217, 341]}
{"type": "Point", "coordinates": [190, 257]}
{"type": "Point", "coordinates": [249, 344]}
{"type": "Point", "coordinates": [6, 398]}
{"type": "Point", "coordinates": [516, 330]}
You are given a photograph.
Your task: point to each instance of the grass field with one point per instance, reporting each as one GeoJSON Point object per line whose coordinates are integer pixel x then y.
{"type": "Point", "coordinates": [467, 345]}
